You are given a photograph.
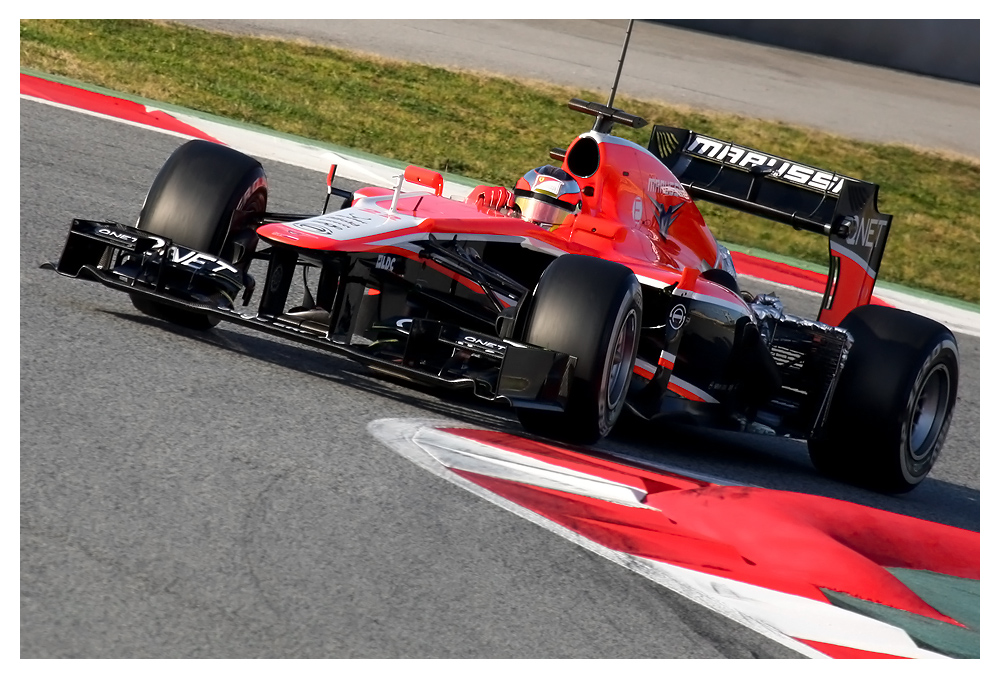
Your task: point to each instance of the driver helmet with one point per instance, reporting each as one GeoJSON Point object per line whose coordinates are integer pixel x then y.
{"type": "Point", "coordinates": [546, 195]}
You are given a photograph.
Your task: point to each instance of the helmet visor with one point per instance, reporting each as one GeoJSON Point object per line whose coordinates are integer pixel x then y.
{"type": "Point", "coordinates": [541, 208]}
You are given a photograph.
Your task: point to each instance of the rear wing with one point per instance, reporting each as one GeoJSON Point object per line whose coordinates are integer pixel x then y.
{"type": "Point", "coordinates": [842, 208]}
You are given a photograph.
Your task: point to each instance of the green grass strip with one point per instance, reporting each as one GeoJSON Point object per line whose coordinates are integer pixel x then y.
{"type": "Point", "coordinates": [494, 128]}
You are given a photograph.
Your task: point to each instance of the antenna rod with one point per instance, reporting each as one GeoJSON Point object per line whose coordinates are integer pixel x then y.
{"type": "Point", "coordinates": [620, 63]}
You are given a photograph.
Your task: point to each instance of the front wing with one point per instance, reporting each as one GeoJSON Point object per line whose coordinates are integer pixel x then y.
{"type": "Point", "coordinates": [153, 268]}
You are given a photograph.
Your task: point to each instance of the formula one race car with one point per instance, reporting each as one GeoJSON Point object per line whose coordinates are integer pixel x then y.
{"type": "Point", "coordinates": [593, 287]}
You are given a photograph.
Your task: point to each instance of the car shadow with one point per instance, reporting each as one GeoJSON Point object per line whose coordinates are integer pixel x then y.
{"type": "Point", "coordinates": [459, 405]}
{"type": "Point", "coordinates": [765, 461]}
{"type": "Point", "coordinates": [783, 464]}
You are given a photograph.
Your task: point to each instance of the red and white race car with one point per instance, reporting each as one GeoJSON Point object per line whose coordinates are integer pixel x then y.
{"type": "Point", "coordinates": [592, 287]}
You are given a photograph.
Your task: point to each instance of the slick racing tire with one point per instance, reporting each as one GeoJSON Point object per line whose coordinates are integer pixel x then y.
{"type": "Point", "coordinates": [893, 404]}
{"type": "Point", "coordinates": [204, 198]}
{"type": "Point", "coordinates": [591, 309]}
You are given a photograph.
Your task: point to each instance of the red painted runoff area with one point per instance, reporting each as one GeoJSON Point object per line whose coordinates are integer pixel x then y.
{"type": "Point", "coordinates": [836, 651]}
{"type": "Point", "coordinates": [793, 543]}
{"type": "Point", "coordinates": [105, 105]}
{"type": "Point", "coordinates": [782, 273]}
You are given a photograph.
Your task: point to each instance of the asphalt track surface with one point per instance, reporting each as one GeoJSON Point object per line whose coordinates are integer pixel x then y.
{"type": "Point", "coordinates": [197, 495]}
{"type": "Point", "coordinates": [670, 64]}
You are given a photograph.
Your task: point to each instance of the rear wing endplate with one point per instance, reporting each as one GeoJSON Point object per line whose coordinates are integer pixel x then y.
{"type": "Point", "coordinates": [804, 197]}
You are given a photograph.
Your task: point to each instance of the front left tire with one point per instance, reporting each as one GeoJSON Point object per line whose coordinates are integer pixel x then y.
{"type": "Point", "coordinates": [204, 197]}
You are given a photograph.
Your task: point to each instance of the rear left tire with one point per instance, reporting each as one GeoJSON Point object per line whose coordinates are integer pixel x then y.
{"type": "Point", "coordinates": [893, 405]}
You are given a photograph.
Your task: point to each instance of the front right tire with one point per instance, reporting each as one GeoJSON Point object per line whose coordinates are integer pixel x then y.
{"type": "Point", "coordinates": [591, 309]}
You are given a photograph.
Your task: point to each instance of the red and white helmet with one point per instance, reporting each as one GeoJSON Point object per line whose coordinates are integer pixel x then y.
{"type": "Point", "coordinates": [546, 195]}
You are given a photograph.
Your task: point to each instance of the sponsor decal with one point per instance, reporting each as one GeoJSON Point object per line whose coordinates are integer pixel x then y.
{"type": "Point", "coordinates": [719, 386]}
{"type": "Point", "coordinates": [666, 142]}
{"type": "Point", "coordinates": [199, 260]}
{"type": "Point", "coordinates": [747, 158]}
{"type": "Point", "coordinates": [482, 345]}
{"type": "Point", "coordinates": [124, 237]}
{"type": "Point", "coordinates": [665, 216]}
{"type": "Point", "coordinates": [331, 224]}
{"type": "Point", "coordinates": [385, 215]}
{"type": "Point", "coordinates": [677, 316]}
{"type": "Point", "coordinates": [548, 185]}
{"type": "Point", "coordinates": [865, 232]}
{"type": "Point", "coordinates": [352, 223]}
{"type": "Point", "coordinates": [387, 262]}
{"type": "Point", "coordinates": [671, 188]}
{"type": "Point", "coordinates": [636, 209]}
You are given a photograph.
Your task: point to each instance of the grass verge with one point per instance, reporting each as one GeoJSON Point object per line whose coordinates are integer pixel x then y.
{"type": "Point", "coordinates": [493, 129]}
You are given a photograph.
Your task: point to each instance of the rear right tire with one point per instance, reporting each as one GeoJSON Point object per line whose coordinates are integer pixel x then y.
{"type": "Point", "coordinates": [893, 404]}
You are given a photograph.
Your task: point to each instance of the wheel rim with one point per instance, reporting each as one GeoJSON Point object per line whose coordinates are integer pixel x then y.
{"type": "Point", "coordinates": [248, 206]}
{"type": "Point", "coordinates": [928, 413]}
{"type": "Point", "coordinates": [620, 365]}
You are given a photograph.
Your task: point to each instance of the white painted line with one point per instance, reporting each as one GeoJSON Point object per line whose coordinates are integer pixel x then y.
{"type": "Point", "coordinates": [458, 453]}
{"type": "Point", "coordinates": [304, 153]}
{"type": "Point", "coordinates": [307, 155]}
{"type": "Point", "coordinates": [779, 616]}
{"type": "Point", "coordinates": [110, 118]}
{"type": "Point", "coordinates": [958, 320]}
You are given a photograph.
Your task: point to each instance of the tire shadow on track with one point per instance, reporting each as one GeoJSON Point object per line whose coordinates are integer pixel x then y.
{"type": "Point", "coordinates": [783, 464]}
{"type": "Point", "coordinates": [461, 406]}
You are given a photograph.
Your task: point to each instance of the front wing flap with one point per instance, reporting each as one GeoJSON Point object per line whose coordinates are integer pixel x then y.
{"type": "Point", "coordinates": [99, 249]}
